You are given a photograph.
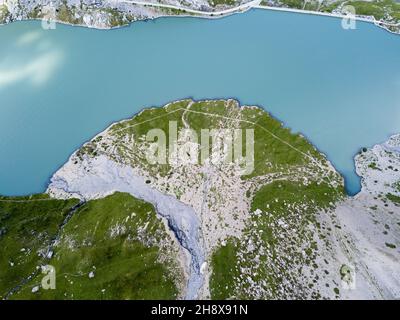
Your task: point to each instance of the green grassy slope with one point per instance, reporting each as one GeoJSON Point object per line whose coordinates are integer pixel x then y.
{"type": "Point", "coordinates": [28, 225]}
{"type": "Point", "coordinates": [303, 185]}
{"type": "Point", "coordinates": [110, 249]}
{"type": "Point", "coordinates": [104, 251]}
{"type": "Point", "coordinates": [278, 149]}
{"type": "Point", "coordinates": [276, 241]}
{"type": "Point", "coordinates": [382, 10]}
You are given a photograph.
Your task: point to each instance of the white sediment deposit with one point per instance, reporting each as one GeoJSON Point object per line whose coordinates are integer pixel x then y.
{"type": "Point", "coordinates": [372, 222]}
{"type": "Point", "coordinates": [366, 237]}
{"type": "Point", "coordinates": [98, 177]}
{"type": "Point", "coordinates": [379, 167]}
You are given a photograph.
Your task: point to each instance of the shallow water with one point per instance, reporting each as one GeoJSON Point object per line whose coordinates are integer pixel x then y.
{"type": "Point", "coordinates": [58, 88]}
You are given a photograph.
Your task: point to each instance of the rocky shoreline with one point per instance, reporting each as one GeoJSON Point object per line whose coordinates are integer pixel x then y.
{"type": "Point", "coordinates": [113, 14]}
{"type": "Point", "coordinates": [94, 172]}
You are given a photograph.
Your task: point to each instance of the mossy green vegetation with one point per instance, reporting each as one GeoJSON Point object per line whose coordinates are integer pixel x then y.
{"type": "Point", "coordinates": [117, 248]}
{"type": "Point", "coordinates": [276, 145]}
{"type": "Point", "coordinates": [329, 7]}
{"type": "Point", "coordinates": [72, 14]}
{"type": "Point", "coordinates": [378, 8]}
{"type": "Point", "coordinates": [136, 129]}
{"type": "Point", "coordinates": [28, 225]}
{"type": "Point", "coordinates": [304, 184]}
{"type": "Point", "coordinates": [278, 149]}
{"type": "Point", "coordinates": [297, 4]}
{"type": "Point", "coordinates": [225, 271]}
{"type": "Point", "coordinates": [222, 2]}
{"type": "Point", "coordinates": [373, 165]}
{"type": "Point", "coordinates": [66, 14]}
{"type": "Point", "coordinates": [390, 245]}
{"type": "Point", "coordinates": [252, 266]}
{"type": "Point", "coordinates": [278, 195]}
{"type": "Point", "coordinates": [3, 13]}
{"type": "Point", "coordinates": [312, 5]}
{"type": "Point", "coordinates": [385, 10]}
{"type": "Point", "coordinates": [111, 248]}
{"type": "Point", "coordinates": [276, 241]}
{"type": "Point", "coordinates": [395, 199]}
{"type": "Point", "coordinates": [375, 9]}
{"type": "Point", "coordinates": [36, 13]}
{"type": "Point", "coordinates": [116, 18]}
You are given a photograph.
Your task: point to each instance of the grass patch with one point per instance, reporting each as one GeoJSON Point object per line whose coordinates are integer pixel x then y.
{"type": "Point", "coordinates": [66, 14]}
{"type": "Point", "coordinates": [276, 240]}
{"type": "Point", "coordinates": [395, 199]}
{"type": "Point", "coordinates": [215, 3]}
{"type": "Point", "coordinates": [27, 226]}
{"type": "Point", "coordinates": [373, 166]}
{"type": "Point", "coordinates": [116, 239]}
{"type": "Point", "coordinates": [3, 12]}
{"type": "Point", "coordinates": [297, 4]}
{"type": "Point", "coordinates": [374, 8]}
{"type": "Point", "coordinates": [390, 245]}
{"type": "Point", "coordinates": [224, 262]}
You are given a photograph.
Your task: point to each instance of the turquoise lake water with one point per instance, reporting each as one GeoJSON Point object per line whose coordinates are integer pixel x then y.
{"type": "Point", "coordinates": [58, 88]}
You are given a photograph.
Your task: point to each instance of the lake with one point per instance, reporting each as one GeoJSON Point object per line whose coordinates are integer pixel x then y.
{"type": "Point", "coordinates": [58, 88]}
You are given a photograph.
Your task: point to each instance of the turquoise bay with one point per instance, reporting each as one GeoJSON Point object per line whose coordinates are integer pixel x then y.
{"type": "Point", "coordinates": [58, 88]}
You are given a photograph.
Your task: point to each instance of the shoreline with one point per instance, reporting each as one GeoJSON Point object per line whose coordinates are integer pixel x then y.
{"type": "Point", "coordinates": [192, 13]}
{"type": "Point", "coordinates": [368, 19]}
{"type": "Point", "coordinates": [46, 183]}
{"type": "Point", "coordinates": [244, 105]}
